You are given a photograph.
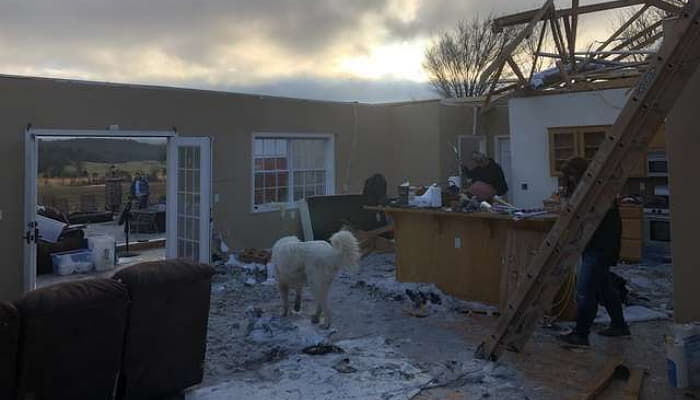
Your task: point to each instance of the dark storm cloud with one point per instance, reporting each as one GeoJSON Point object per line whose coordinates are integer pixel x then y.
{"type": "Point", "coordinates": [188, 28]}
{"type": "Point", "coordinates": [236, 44]}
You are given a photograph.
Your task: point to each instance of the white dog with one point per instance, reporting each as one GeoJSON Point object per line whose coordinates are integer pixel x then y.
{"type": "Point", "coordinates": [316, 262]}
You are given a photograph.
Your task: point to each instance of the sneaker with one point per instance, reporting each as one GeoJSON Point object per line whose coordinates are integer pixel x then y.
{"type": "Point", "coordinates": [612, 331]}
{"type": "Point", "coordinates": [574, 339]}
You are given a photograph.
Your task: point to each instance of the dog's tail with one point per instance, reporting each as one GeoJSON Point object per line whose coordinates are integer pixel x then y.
{"type": "Point", "coordinates": [345, 242]}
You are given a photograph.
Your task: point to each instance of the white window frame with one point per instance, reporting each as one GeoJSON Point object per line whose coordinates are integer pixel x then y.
{"type": "Point", "coordinates": [330, 166]}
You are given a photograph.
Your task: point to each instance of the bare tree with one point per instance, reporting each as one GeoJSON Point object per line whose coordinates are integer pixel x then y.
{"type": "Point", "coordinates": [645, 33]}
{"type": "Point", "coordinates": [455, 62]}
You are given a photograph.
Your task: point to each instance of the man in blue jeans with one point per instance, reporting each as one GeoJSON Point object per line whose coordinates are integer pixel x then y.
{"type": "Point", "coordinates": [593, 282]}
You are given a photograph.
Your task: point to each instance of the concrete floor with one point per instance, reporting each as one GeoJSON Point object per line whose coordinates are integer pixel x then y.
{"type": "Point", "coordinates": [441, 343]}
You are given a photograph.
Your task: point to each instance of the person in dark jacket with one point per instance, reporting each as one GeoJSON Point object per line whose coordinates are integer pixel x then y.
{"type": "Point", "coordinates": [488, 171]}
{"type": "Point", "coordinates": [593, 281]}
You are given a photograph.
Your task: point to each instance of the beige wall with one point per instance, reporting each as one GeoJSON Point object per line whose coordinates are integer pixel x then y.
{"type": "Point", "coordinates": [683, 146]}
{"type": "Point", "coordinates": [397, 140]}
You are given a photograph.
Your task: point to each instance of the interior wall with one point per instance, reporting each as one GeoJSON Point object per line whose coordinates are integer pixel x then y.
{"type": "Point", "coordinates": [683, 147]}
{"type": "Point", "coordinates": [392, 139]}
{"type": "Point", "coordinates": [529, 119]}
{"type": "Point", "coordinates": [457, 119]}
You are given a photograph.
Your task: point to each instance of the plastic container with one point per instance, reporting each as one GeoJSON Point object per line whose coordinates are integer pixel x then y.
{"type": "Point", "coordinates": [683, 355]}
{"type": "Point", "coordinates": [76, 261]}
{"type": "Point", "coordinates": [103, 254]}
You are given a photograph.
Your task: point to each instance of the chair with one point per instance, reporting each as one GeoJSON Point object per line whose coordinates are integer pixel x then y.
{"type": "Point", "coordinates": [166, 339]}
{"type": "Point", "coordinates": [9, 339]}
{"type": "Point", "coordinates": [71, 340]}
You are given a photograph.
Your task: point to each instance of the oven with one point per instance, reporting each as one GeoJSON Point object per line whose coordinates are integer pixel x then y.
{"type": "Point", "coordinates": [657, 229]}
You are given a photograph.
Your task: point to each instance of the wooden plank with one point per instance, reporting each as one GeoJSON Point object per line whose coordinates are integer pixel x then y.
{"type": "Point", "coordinates": [657, 36]}
{"type": "Point", "coordinates": [604, 377]}
{"type": "Point", "coordinates": [525, 16]}
{"type": "Point", "coordinates": [622, 28]}
{"type": "Point", "coordinates": [513, 44]}
{"type": "Point", "coordinates": [636, 36]}
{"type": "Point", "coordinates": [641, 117]}
{"type": "Point", "coordinates": [574, 31]}
{"type": "Point", "coordinates": [664, 5]}
{"type": "Point", "coordinates": [539, 48]}
{"type": "Point", "coordinates": [633, 389]}
{"type": "Point", "coordinates": [517, 70]}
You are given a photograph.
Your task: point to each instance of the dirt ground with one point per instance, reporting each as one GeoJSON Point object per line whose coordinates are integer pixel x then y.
{"type": "Point", "coordinates": [371, 304]}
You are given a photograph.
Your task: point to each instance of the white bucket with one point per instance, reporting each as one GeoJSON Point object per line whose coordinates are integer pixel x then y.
{"type": "Point", "coordinates": [102, 247]}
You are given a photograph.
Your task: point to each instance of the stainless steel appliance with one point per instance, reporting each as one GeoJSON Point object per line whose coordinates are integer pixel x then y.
{"type": "Point", "coordinates": [657, 165]}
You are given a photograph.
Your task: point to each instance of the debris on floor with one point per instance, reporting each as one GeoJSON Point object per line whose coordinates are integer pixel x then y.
{"type": "Point", "coordinates": [370, 369]}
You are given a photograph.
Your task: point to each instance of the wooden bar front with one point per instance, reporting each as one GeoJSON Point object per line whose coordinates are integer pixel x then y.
{"type": "Point", "coordinates": [472, 256]}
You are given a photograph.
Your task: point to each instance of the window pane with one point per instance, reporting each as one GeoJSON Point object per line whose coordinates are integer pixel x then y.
{"type": "Point", "coordinates": [259, 149]}
{"type": "Point", "coordinates": [282, 179]}
{"type": "Point", "coordinates": [283, 194]}
{"type": "Point", "coordinates": [259, 180]}
{"type": "Point", "coordinates": [259, 196]}
{"type": "Point", "coordinates": [298, 179]}
{"type": "Point", "coordinates": [320, 190]}
{"type": "Point", "coordinates": [259, 164]}
{"type": "Point", "coordinates": [270, 164]}
{"type": "Point", "coordinates": [270, 148]}
{"type": "Point", "coordinates": [281, 147]}
{"type": "Point", "coordinates": [298, 193]}
{"type": "Point", "coordinates": [270, 180]}
{"type": "Point", "coordinates": [270, 195]}
{"type": "Point", "coordinates": [281, 163]}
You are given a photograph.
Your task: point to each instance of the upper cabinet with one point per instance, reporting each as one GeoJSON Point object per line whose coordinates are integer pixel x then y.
{"type": "Point", "coordinates": [584, 141]}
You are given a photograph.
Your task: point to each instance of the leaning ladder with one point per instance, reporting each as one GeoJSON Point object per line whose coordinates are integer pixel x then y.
{"type": "Point", "coordinates": [642, 116]}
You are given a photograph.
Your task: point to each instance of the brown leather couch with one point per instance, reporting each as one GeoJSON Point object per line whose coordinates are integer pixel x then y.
{"type": "Point", "coordinates": [140, 335]}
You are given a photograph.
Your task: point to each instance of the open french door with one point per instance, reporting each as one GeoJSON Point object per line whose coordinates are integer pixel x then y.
{"type": "Point", "coordinates": [189, 198]}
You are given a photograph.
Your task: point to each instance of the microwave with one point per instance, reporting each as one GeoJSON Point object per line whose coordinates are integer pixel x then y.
{"type": "Point", "coordinates": [657, 165]}
{"type": "Point", "coordinates": [657, 230]}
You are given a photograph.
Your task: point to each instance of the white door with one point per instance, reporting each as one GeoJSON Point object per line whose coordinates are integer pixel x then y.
{"type": "Point", "coordinates": [189, 198]}
{"type": "Point", "coordinates": [503, 158]}
{"type": "Point", "coordinates": [31, 231]}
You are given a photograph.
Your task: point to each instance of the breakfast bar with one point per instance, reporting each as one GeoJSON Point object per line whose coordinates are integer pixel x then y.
{"type": "Point", "coordinates": [477, 256]}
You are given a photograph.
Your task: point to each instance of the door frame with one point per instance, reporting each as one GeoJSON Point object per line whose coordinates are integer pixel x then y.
{"type": "Point", "coordinates": [205, 143]}
{"type": "Point", "coordinates": [31, 180]}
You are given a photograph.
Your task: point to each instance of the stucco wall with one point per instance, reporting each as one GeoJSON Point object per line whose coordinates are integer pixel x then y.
{"type": "Point", "coordinates": [530, 117]}
{"type": "Point", "coordinates": [397, 140]}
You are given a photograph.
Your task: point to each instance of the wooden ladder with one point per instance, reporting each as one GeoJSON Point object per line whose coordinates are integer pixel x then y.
{"type": "Point", "coordinates": [627, 141]}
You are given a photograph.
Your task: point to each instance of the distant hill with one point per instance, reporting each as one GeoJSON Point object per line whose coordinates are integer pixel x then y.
{"type": "Point", "coordinates": [56, 155]}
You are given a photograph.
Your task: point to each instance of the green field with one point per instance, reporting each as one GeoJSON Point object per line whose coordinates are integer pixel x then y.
{"type": "Point", "coordinates": [88, 194]}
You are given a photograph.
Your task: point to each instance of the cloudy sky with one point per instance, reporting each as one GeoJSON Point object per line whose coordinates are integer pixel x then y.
{"type": "Point", "coordinates": [366, 50]}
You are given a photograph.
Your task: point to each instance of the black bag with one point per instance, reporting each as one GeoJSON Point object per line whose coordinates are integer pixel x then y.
{"type": "Point", "coordinates": [9, 345]}
{"type": "Point", "coordinates": [166, 338]}
{"type": "Point", "coordinates": [71, 340]}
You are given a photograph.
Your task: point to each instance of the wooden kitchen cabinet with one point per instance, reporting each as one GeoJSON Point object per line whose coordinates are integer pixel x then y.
{"type": "Point", "coordinates": [568, 142]}
{"type": "Point", "coordinates": [632, 233]}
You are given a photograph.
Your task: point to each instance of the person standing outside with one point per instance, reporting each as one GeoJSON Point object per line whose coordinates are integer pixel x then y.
{"type": "Point", "coordinates": [139, 191]}
{"type": "Point", "coordinates": [593, 281]}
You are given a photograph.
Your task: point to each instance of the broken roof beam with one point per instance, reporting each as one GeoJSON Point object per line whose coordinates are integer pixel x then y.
{"type": "Point", "coordinates": [508, 49]}
{"type": "Point", "coordinates": [574, 29]}
{"type": "Point", "coordinates": [525, 16]}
